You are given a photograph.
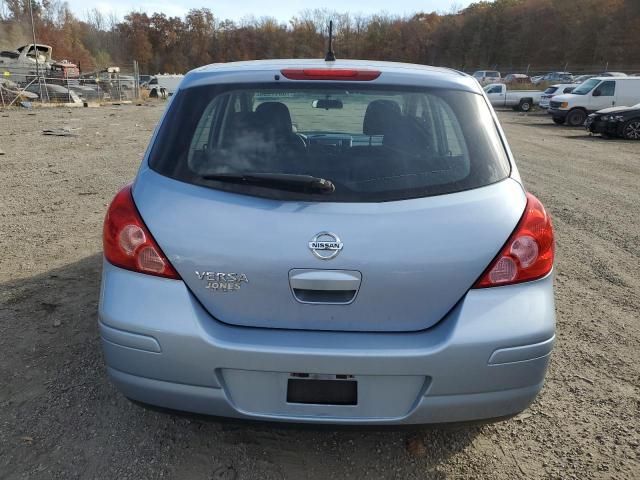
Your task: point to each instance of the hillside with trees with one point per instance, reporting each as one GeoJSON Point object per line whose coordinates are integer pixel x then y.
{"type": "Point", "coordinates": [504, 34]}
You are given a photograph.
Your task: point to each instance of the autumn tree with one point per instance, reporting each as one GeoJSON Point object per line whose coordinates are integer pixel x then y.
{"type": "Point", "coordinates": [508, 35]}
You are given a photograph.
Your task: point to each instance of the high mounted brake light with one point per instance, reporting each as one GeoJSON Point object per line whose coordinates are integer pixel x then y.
{"type": "Point", "coordinates": [528, 254]}
{"type": "Point", "coordinates": [127, 241]}
{"type": "Point", "coordinates": [330, 74]}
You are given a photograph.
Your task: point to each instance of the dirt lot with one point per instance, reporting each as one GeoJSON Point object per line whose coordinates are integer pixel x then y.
{"type": "Point", "coordinates": [60, 417]}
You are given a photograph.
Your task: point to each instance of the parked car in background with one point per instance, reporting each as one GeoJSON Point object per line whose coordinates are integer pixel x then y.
{"type": "Point", "coordinates": [582, 78]}
{"type": "Point", "coordinates": [613, 74]}
{"type": "Point", "coordinates": [500, 96]}
{"type": "Point", "coordinates": [616, 122]}
{"type": "Point", "coordinates": [553, 90]}
{"type": "Point", "coordinates": [54, 93]}
{"type": "Point", "coordinates": [557, 77]}
{"type": "Point", "coordinates": [595, 94]}
{"type": "Point", "coordinates": [516, 78]}
{"type": "Point", "coordinates": [487, 76]}
{"type": "Point", "coordinates": [206, 307]}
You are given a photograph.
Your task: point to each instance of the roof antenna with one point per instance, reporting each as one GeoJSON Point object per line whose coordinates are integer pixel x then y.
{"type": "Point", "coordinates": [331, 56]}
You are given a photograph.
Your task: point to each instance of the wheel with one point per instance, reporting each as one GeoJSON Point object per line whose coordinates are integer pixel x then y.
{"type": "Point", "coordinates": [153, 93]}
{"type": "Point", "coordinates": [525, 105]}
{"type": "Point", "coordinates": [558, 120]}
{"type": "Point", "coordinates": [631, 129]}
{"type": "Point", "coordinates": [576, 117]}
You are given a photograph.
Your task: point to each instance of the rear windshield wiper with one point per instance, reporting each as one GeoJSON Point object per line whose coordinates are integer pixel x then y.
{"type": "Point", "coordinates": [281, 181]}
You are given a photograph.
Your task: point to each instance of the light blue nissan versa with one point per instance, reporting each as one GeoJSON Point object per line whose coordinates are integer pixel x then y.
{"type": "Point", "coordinates": [338, 242]}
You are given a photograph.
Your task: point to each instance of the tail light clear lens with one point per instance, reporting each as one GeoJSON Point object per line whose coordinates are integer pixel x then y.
{"type": "Point", "coordinates": [127, 241]}
{"type": "Point", "coordinates": [529, 252]}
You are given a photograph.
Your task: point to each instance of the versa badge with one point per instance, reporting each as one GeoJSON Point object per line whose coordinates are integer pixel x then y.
{"type": "Point", "coordinates": [222, 282]}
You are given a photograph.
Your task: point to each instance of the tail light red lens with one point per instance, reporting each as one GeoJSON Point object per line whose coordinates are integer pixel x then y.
{"type": "Point", "coordinates": [330, 74]}
{"type": "Point", "coordinates": [127, 241]}
{"type": "Point", "coordinates": [528, 255]}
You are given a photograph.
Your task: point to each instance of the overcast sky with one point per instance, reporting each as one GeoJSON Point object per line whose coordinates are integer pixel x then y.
{"type": "Point", "coordinates": [283, 10]}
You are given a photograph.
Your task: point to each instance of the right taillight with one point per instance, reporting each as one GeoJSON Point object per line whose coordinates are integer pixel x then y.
{"type": "Point", "coordinates": [127, 241]}
{"type": "Point", "coordinates": [528, 254]}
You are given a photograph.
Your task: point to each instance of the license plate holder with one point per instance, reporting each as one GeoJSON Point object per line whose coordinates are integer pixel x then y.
{"type": "Point", "coordinates": [322, 392]}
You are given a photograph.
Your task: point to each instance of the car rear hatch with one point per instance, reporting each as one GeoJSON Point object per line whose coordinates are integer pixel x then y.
{"type": "Point", "coordinates": [402, 266]}
{"type": "Point", "coordinates": [393, 248]}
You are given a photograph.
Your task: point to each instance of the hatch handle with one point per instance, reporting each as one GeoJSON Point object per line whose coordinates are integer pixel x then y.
{"type": "Point", "coordinates": [325, 280]}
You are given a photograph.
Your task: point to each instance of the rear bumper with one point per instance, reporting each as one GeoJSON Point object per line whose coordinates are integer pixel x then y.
{"type": "Point", "coordinates": [486, 359]}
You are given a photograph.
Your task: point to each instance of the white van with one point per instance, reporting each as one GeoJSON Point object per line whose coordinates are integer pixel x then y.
{"type": "Point", "coordinates": [162, 86]}
{"type": "Point", "coordinates": [593, 95]}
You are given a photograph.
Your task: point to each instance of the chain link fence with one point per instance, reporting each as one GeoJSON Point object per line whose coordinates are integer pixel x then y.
{"type": "Point", "coordinates": [63, 83]}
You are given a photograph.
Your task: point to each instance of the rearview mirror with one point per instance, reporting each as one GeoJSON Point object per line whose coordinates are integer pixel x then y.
{"type": "Point", "coordinates": [327, 104]}
{"type": "Point", "coordinates": [597, 93]}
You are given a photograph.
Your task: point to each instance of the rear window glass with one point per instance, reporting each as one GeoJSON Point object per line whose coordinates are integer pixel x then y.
{"type": "Point", "coordinates": [373, 143]}
{"type": "Point", "coordinates": [551, 90]}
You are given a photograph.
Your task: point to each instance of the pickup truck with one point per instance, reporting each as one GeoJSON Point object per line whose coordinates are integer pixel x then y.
{"type": "Point", "coordinates": [522, 100]}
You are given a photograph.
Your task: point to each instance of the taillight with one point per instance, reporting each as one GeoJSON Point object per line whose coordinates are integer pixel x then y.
{"type": "Point", "coordinates": [127, 241]}
{"type": "Point", "coordinates": [330, 74]}
{"type": "Point", "coordinates": [528, 255]}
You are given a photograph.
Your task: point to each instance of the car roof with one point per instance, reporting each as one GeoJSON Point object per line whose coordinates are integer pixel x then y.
{"type": "Point", "coordinates": [392, 73]}
{"type": "Point", "coordinates": [616, 78]}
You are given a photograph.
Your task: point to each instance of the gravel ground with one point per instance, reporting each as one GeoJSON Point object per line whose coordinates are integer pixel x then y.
{"type": "Point", "coordinates": [61, 418]}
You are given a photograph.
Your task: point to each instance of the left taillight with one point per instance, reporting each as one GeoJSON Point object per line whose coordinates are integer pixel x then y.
{"type": "Point", "coordinates": [127, 241]}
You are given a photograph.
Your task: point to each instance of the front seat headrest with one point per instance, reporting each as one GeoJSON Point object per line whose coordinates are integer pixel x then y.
{"type": "Point", "coordinates": [274, 116]}
{"type": "Point", "coordinates": [379, 116]}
